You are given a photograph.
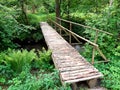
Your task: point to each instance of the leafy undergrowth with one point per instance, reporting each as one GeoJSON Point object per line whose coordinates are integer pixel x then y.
{"type": "Point", "coordinates": [37, 18]}
{"type": "Point", "coordinates": [27, 70]}
{"type": "Point", "coordinates": [111, 74]}
{"type": "Point", "coordinates": [110, 70]}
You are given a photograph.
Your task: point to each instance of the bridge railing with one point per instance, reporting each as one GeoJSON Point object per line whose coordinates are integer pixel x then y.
{"type": "Point", "coordinates": [76, 36]}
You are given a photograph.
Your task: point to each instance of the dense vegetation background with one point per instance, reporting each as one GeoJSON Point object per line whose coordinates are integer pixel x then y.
{"type": "Point", "coordinates": [19, 22]}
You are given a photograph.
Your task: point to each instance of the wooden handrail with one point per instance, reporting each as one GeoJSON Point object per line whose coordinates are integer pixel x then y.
{"type": "Point", "coordinates": [85, 26]}
{"type": "Point", "coordinates": [75, 34]}
{"type": "Point", "coordinates": [95, 46]}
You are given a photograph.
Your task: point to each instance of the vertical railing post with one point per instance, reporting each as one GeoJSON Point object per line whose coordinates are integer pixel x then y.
{"type": "Point", "coordinates": [93, 52]}
{"type": "Point", "coordinates": [51, 22]}
{"type": "Point", "coordinates": [55, 24]}
{"type": "Point", "coordinates": [60, 28]}
{"type": "Point", "coordinates": [70, 33]}
{"type": "Point", "coordinates": [55, 27]}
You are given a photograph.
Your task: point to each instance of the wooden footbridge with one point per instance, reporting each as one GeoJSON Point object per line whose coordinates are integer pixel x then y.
{"type": "Point", "coordinates": [71, 65]}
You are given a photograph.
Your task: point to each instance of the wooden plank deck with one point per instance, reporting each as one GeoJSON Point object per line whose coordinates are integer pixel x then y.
{"type": "Point", "coordinates": [72, 66]}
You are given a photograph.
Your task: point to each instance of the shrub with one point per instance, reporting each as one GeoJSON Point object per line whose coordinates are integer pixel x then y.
{"type": "Point", "coordinates": [43, 60]}
{"type": "Point", "coordinates": [111, 74]}
{"type": "Point", "coordinates": [26, 81]}
{"type": "Point", "coordinates": [6, 71]}
{"type": "Point", "coordinates": [117, 53]}
{"type": "Point", "coordinates": [10, 28]}
{"type": "Point", "coordinates": [18, 59]}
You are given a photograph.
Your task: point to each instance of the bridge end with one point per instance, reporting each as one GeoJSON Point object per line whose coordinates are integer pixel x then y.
{"type": "Point", "coordinates": [43, 23]}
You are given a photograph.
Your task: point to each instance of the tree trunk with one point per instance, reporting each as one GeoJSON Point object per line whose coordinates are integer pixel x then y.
{"type": "Point", "coordinates": [68, 9]}
{"type": "Point", "coordinates": [33, 9]}
{"type": "Point", "coordinates": [57, 9]}
{"type": "Point", "coordinates": [23, 8]}
{"type": "Point", "coordinates": [111, 2]}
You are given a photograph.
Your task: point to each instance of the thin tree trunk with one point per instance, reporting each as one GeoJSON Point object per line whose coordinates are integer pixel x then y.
{"type": "Point", "coordinates": [68, 9]}
{"type": "Point", "coordinates": [24, 15]}
{"type": "Point", "coordinates": [57, 9]}
{"type": "Point", "coordinates": [111, 2]}
{"type": "Point", "coordinates": [33, 9]}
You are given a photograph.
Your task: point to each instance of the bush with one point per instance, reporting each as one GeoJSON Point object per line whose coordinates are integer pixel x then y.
{"type": "Point", "coordinates": [43, 60]}
{"type": "Point", "coordinates": [117, 53]}
{"type": "Point", "coordinates": [10, 28]}
{"type": "Point", "coordinates": [46, 81]}
{"type": "Point", "coordinates": [111, 74]}
{"type": "Point", "coordinates": [19, 59]}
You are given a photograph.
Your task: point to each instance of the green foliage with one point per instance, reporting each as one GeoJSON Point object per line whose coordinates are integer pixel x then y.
{"type": "Point", "coordinates": [17, 71]}
{"type": "Point", "coordinates": [43, 60]}
{"type": "Point", "coordinates": [38, 17]}
{"type": "Point", "coordinates": [111, 75]}
{"type": "Point", "coordinates": [107, 44]}
{"type": "Point", "coordinates": [49, 5]}
{"type": "Point", "coordinates": [106, 19]}
{"type": "Point", "coordinates": [117, 53]}
{"type": "Point", "coordinates": [34, 20]}
{"type": "Point", "coordinates": [10, 28]}
{"type": "Point", "coordinates": [45, 56]}
{"type": "Point", "coordinates": [6, 72]}
{"type": "Point", "coordinates": [77, 29]}
{"type": "Point", "coordinates": [18, 59]}
{"type": "Point", "coordinates": [46, 81]}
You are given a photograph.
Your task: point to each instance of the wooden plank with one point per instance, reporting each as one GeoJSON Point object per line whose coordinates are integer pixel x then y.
{"type": "Point", "coordinates": [68, 65]}
{"type": "Point", "coordinates": [68, 61]}
{"type": "Point", "coordinates": [83, 79]}
{"type": "Point", "coordinates": [82, 71]}
{"type": "Point", "coordinates": [74, 68]}
{"type": "Point", "coordinates": [79, 76]}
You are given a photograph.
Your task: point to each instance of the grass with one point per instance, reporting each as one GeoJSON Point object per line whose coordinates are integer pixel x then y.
{"type": "Point", "coordinates": [37, 18]}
